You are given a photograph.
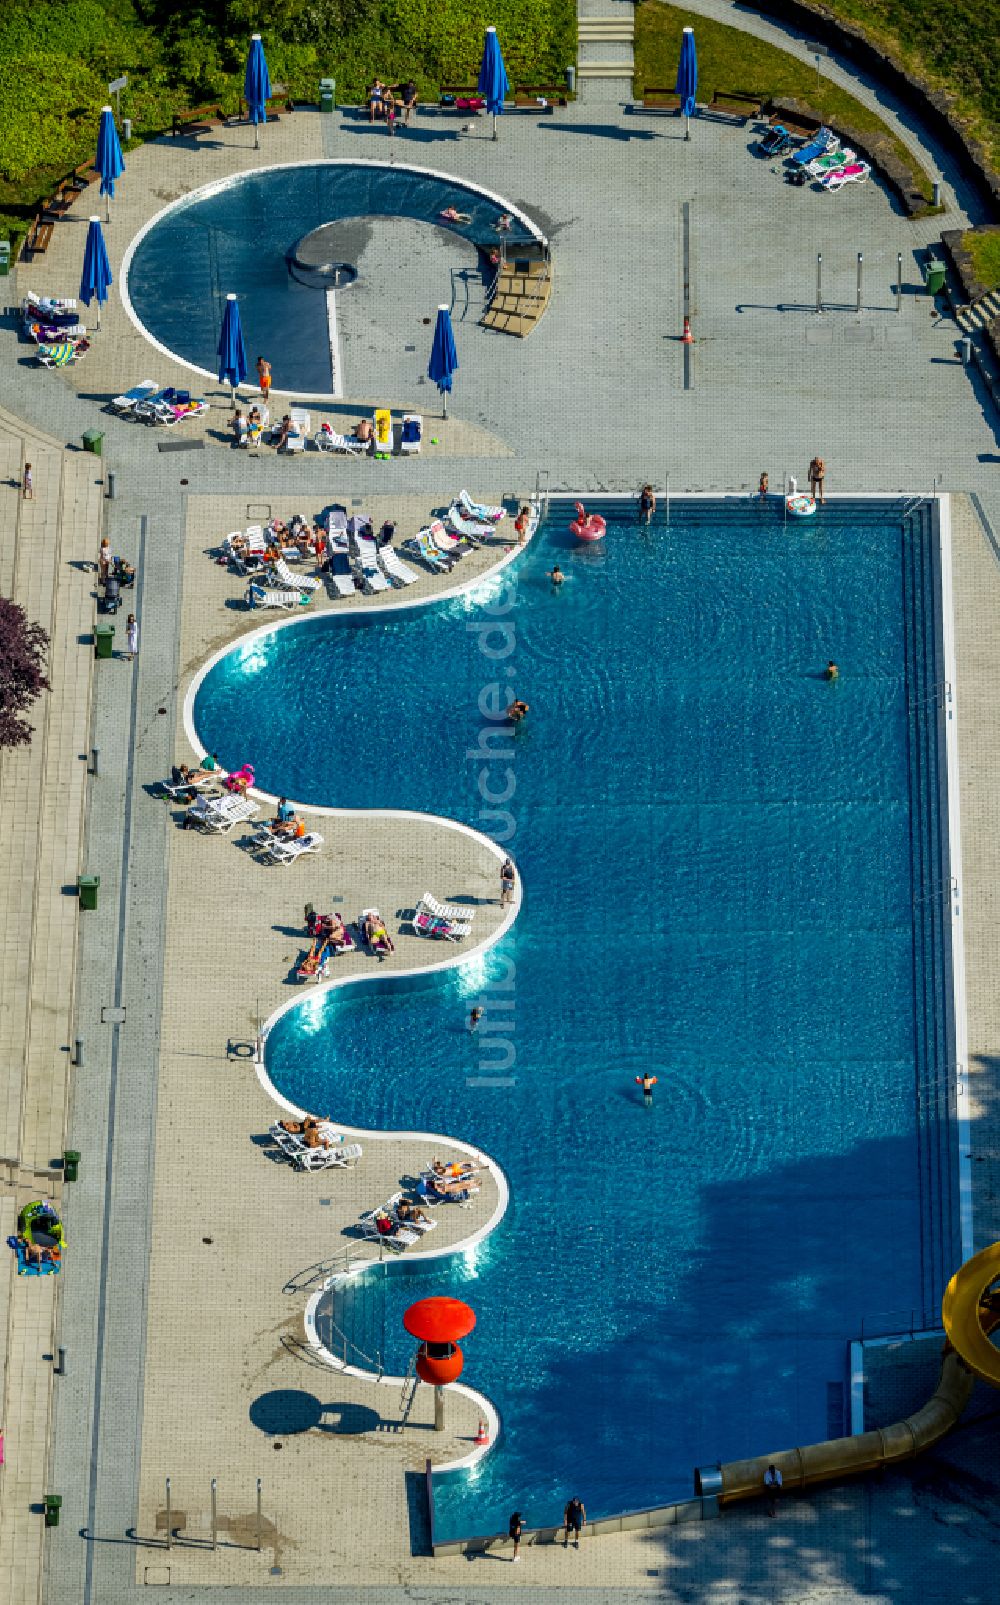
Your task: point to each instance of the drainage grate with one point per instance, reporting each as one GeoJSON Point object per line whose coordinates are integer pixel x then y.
{"type": "Point", "coordinates": [181, 445]}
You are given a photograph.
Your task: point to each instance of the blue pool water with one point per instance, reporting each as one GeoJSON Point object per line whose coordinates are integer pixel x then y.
{"type": "Point", "coordinates": [237, 239]}
{"type": "Point", "coordinates": [724, 860]}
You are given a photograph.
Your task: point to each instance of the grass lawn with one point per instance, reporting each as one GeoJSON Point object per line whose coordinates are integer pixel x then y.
{"type": "Point", "coordinates": [954, 48]}
{"type": "Point", "coordinates": [730, 60]}
{"type": "Point", "coordinates": [984, 250]}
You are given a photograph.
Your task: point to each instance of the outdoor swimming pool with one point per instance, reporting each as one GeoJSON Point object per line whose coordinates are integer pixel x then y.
{"type": "Point", "coordinates": [237, 237]}
{"type": "Point", "coordinates": [732, 874]}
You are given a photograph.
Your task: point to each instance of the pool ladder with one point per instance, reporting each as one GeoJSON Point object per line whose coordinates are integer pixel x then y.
{"type": "Point", "coordinates": [411, 1383]}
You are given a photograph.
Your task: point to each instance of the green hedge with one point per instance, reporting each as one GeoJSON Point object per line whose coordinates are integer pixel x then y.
{"type": "Point", "coordinates": [58, 56]}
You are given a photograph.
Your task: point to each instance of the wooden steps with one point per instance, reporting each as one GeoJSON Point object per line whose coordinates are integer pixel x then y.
{"type": "Point", "coordinates": [519, 299]}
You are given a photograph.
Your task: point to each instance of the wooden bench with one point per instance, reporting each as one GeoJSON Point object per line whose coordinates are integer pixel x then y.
{"type": "Point", "coordinates": [61, 201]}
{"type": "Point", "coordinates": [457, 92]}
{"type": "Point", "coordinates": [38, 236]}
{"type": "Point", "coordinates": [197, 121]}
{"type": "Point", "coordinates": [660, 100]}
{"type": "Point", "coordinates": [733, 103]}
{"type": "Point", "coordinates": [527, 96]}
{"type": "Point", "coordinates": [803, 130]}
{"type": "Point", "coordinates": [278, 98]}
{"type": "Point", "coordinates": [82, 177]}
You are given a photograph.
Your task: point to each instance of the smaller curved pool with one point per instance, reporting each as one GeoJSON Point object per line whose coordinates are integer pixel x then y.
{"type": "Point", "coordinates": [239, 237]}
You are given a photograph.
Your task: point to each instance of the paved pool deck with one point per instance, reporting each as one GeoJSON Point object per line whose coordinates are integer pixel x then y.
{"type": "Point", "coordinates": [170, 1340]}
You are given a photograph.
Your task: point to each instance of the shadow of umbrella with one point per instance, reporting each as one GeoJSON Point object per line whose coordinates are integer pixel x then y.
{"type": "Point", "coordinates": [285, 1411]}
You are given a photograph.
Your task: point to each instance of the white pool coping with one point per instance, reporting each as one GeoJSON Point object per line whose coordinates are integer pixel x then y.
{"type": "Point", "coordinates": [218, 185]}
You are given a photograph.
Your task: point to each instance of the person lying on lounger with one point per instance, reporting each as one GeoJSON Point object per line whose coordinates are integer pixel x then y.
{"type": "Point", "coordinates": [375, 934]}
{"type": "Point", "coordinates": [363, 430]}
{"type": "Point", "coordinates": [456, 1168]}
{"type": "Point", "coordinates": [310, 1130]}
{"type": "Point", "coordinates": [284, 821]}
{"type": "Point", "coordinates": [460, 1187]}
{"type": "Point", "coordinates": [411, 1212]}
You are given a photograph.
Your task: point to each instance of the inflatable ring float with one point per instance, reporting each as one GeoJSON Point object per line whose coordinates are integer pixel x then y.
{"type": "Point", "coordinates": [587, 527]}
{"type": "Point", "coordinates": [801, 505]}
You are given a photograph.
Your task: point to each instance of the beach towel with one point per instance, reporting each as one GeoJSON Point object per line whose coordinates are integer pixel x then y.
{"type": "Point", "coordinates": [46, 1267]}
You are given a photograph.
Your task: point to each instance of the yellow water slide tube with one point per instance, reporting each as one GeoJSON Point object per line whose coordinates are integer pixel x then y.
{"type": "Point", "coordinates": [970, 1315]}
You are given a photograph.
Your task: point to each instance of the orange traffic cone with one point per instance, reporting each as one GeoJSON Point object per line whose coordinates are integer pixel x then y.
{"type": "Point", "coordinates": [687, 338]}
{"type": "Point", "coordinates": [482, 1436]}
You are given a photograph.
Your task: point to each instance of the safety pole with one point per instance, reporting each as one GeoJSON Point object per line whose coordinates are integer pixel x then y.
{"type": "Point", "coordinates": [170, 1525]}
{"type": "Point", "coordinates": [899, 281]}
{"type": "Point", "coordinates": [819, 281]}
{"type": "Point", "coordinates": [860, 265]}
{"type": "Point", "coordinates": [215, 1523]}
{"type": "Point", "coordinates": [259, 1540]}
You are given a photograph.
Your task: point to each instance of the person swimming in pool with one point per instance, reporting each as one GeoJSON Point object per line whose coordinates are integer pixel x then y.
{"type": "Point", "coordinates": [517, 711]}
{"type": "Point", "coordinates": [555, 574]}
{"type": "Point", "coordinates": [452, 215]}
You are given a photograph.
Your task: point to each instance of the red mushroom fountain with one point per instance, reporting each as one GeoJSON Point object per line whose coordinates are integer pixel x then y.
{"type": "Point", "coordinates": [438, 1323]}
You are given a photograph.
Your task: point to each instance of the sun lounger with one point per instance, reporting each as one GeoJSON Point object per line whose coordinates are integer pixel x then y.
{"type": "Point", "coordinates": [300, 426]}
{"type": "Point", "coordinates": [50, 334]}
{"type": "Point", "coordinates": [395, 567]}
{"type": "Point", "coordinates": [432, 555]}
{"type": "Point", "coordinates": [288, 601]}
{"type": "Point", "coordinates": [169, 413]}
{"type": "Point", "coordinates": [327, 439]}
{"type": "Point", "coordinates": [477, 511]}
{"type": "Point", "coordinates": [823, 140]}
{"type": "Point", "coordinates": [49, 308]}
{"type": "Point", "coordinates": [460, 1190]}
{"type": "Point", "coordinates": [411, 434]}
{"type": "Point", "coordinates": [392, 1208]}
{"type": "Point", "coordinates": [854, 173]}
{"type": "Point", "coordinates": [459, 913]}
{"type": "Point", "coordinates": [453, 545]}
{"type": "Point", "coordinates": [199, 780]}
{"type": "Point", "coordinates": [338, 1156]}
{"type": "Point", "coordinates": [397, 1238]}
{"type": "Point", "coordinates": [473, 530]}
{"type": "Point", "coordinates": [139, 392]}
{"type": "Point", "coordinates": [339, 574]}
{"type": "Point", "coordinates": [382, 425]}
{"type": "Point", "coordinates": [285, 850]}
{"type": "Point", "coordinates": [301, 582]}
{"type": "Point", "coordinates": [62, 355]}
{"type": "Point", "coordinates": [830, 162]}
{"type": "Point", "coordinates": [444, 543]}
{"type": "Point", "coordinates": [367, 558]}
{"type": "Point", "coordinates": [426, 924]}
{"type": "Point", "coordinates": [220, 814]}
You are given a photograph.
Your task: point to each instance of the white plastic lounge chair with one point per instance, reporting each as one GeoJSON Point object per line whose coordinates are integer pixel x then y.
{"type": "Point", "coordinates": [411, 434]}
{"type": "Point", "coordinates": [471, 529]}
{"type": "Point", "coordinates": [395, 567]}
{"type": "Point", "coordinates": [339, 574]}
{"type": "Point", "coordinates": [286, 851]}
{"type": "Point", "coordinates": [372, 576]}
{"type": "Point", "coordinates": [59, 356]}
{"type": "Point", "coordinates": [220, 814]}
{"type": "Point", "coordinates": [300, 582]}
{"type": "Point", "coordinates": [432, 555]}
{"type": "Point", "coordinates": [400, 1239]}
{"type": "Point", "coordinates": [140, 392]}
{"type": "Point", "coordinates": [383, 432]}
{"type": "Point", "coordinates": [479, 512]}
{"type": "Point", "coordinates": [392, 1207]}
{"type": "Point", "coordinates": [855, 173]}
{"type": "Point", "coordinates": [287, 601]}
{"type": "Point", "coordinates": [444, 543]}
{"type": "Point", "coordinates": [198, 782]}
{"type": "Point", "coordinates": [460, 1192]}
{"type": "Point", "coordinates": [427, 924]}
{"type": "Point", "coordinates": [301, 425]}
{"type": "Point", "coordinates": [454, 545]}
{"type": "Point", "coordinates": [327, 439]}
{"type": "Point", "coordinates": [830, 162]}
{"type": "Point", "coordinates": [459, 913]}
{"type": "Point", "coordinates": [337, 1157]}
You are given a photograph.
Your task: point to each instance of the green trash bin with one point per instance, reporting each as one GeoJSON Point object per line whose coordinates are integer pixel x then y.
{"type": "Point", "coordinates": [4, 258]}
{"type": "Point", "coordinates": [53, 1505]}
{"type": "Point", "coordinates": [71, 1164]}
{"type": "Point", "coordinates": [93, 441]}
{"type": "Point", "coordinates": [87, 887]}
{"type": "Point", "coordinates": [934, 277]}
{"type": "Point", "coordinates": [327, 94]}
{"type": "Point", "coordinates": [104, 640]}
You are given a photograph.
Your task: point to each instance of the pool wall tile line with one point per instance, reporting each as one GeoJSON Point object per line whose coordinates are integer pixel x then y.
{"type": "Point", "coordinates": [219, 185]}
{"type": "Point", "coordinates": [942, 526]}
